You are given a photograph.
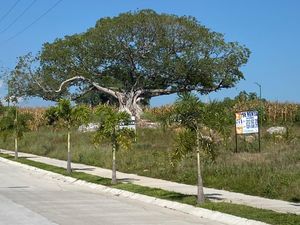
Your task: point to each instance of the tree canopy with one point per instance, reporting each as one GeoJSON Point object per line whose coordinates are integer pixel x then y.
{"type": "Point", "coordinates": [131, 57]}
{"type": "Point", "coordinates": [10, 125]}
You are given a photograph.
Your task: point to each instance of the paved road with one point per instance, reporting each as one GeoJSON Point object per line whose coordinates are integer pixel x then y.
{"type": "Point", "coordinates": [30, 198]}
{"type": "Point", "coordinates": [213, 194]}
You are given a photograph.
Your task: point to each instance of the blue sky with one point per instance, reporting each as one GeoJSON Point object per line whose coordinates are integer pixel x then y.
{"type": "Point", "coordinates": [269, 28]}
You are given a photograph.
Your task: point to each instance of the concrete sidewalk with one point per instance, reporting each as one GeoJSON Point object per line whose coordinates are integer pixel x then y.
{"type": "Point", "coordinates": [211, 193]}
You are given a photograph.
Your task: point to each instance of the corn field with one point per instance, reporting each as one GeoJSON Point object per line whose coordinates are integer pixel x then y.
{"type": "Point", "coordinates": [38, 117]}
{"type": "Point", "coordinates": [273, 112]}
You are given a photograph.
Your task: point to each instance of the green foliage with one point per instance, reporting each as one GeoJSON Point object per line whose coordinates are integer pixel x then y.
{"type": "Point", "coordinates": [80, 114]}
{"type": "Point", "coordinates": [51, 115]}
{"type": "Point", "coordinates": [189, 111]}
{"type": "Point", "coordinates": [185, 142]}
{"type": "Point", "coordinates": [64, 110]}
{"type": "Point", "coordinates": [164, 115]}
{"type": "Point", "coordinates": [95, 98]}
{"type": "Point", "coordinates": [219, 117]}
{"type": "Point", "coordinates": [65, 115]}
{"type": "Point", "coordinates": [215, 121]}
{"type": "Point", "coordinates": [145, 51]}
{"type": "Point", "coordinates": [198, 119]}
{"type": "Point", "coordinates": [267, 216]}
{"type": "Point", "coordinates": [2, 110]}
{"type": "Point", "coordinates": [110, 119]}
{"type": "Point", "coordinates": [244, 96]}
{"type": "Point", "coordinates": [13, 122]}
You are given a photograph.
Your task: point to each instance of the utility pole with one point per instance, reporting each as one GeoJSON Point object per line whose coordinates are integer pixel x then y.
{"type": "Point", "coordinates": [259, 89]}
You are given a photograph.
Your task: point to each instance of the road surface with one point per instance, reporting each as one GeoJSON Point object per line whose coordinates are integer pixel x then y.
{"type": "Point", "coordinates": [34, 199]}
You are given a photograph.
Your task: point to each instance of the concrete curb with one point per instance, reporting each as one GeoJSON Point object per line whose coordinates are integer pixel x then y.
{"type": "Point", "coordinates": [188, 209]}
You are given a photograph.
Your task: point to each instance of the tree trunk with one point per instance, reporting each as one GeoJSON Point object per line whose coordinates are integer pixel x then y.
{"type": "Point", "coordinates": [69, 169]}
{"type": "Point", "coordinates": [114, 173]}
{"type": "Point", "coordinates": [200, 192]}
{"type": "Point", "coordinates": [16, 147]}
{"type": "Point", "coordinates": [129, 103]}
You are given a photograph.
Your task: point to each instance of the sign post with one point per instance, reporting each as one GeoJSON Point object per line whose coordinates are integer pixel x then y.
{"type": "Point", "coordinates": [246, 123]}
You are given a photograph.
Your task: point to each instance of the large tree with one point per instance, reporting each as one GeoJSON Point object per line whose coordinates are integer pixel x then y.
{"type": "Point", "coordinates": [131, 57]}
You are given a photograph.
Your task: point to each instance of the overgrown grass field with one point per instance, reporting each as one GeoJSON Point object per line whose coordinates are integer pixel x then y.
{"type": "Point", "coordinates": [272, 173]}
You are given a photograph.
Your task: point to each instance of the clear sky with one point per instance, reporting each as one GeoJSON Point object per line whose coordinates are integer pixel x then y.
{"type": "Point", "coordinates": [269, 28]}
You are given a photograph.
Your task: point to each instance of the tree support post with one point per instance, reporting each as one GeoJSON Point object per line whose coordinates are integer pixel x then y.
{"type": "Point", "coordinates": [114, 173]}
{"type": "Point", "coordinates": [69, 169]}
{"type": "Point", "coordinates": [200, 192]}
{"type": "Point", "coordinates": [16, 147]}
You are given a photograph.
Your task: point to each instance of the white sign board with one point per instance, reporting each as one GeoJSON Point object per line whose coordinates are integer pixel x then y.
{"type": "Point", "coordinates": [246, 122]}
{"type": "Point", "coordinates": [130, 125]}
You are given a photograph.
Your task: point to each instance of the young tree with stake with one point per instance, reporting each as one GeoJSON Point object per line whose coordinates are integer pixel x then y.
{"type": "Point", "coordinates": [13, 123]}
{"type": "Point", "coordinates": [68, 116]}
{"type": "Point", "coordinates": [190, 113]}
{"type": "Point", "coordinates": [109, 131]}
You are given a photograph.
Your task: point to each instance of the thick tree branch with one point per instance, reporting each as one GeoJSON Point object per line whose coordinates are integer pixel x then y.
{"type": "Point", "coordinates": [158, 92]}
{"type": "Point", "coordinates": [106, 90]}
{"type": "Point", "coordinates": [137, 96]}
{"type": "Point", "coordinates": [94, 84]}
{"type": "Point", "coordinates": [64, 83]}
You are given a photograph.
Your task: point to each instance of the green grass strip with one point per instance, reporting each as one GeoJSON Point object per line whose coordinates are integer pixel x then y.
{"type": "Point", "coordinates": [248, 212]}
